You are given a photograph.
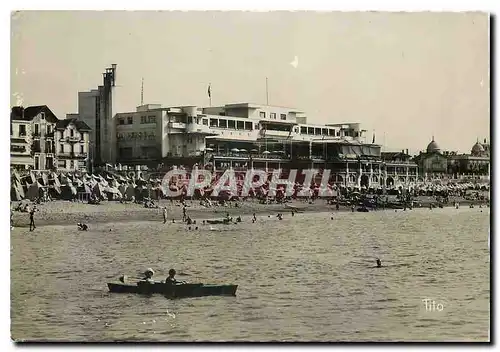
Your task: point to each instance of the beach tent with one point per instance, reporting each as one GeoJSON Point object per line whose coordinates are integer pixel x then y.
{"type": "Point", "coordinates": [98, 190]}
{"type": "Point", "coordinates": [15, 176]}
{"type": "Point", "coordinates": [113, 193]}
{"type": "Point", "coordinates": [122, 188]}
{"type": "Point", "coordinates": [44, 179]}
{"type": "Point", "coordinates": [14, 193]}
{"type": "Point", "coordinates": [141, 192]}
{"type": "Point", "coordinates": [34, 191]}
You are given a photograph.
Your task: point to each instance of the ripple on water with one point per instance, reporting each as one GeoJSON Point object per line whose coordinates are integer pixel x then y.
{"type": "Point", "coordinates": [297, 280]}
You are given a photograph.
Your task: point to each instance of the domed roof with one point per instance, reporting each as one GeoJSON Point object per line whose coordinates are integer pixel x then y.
{"type": "Point", "coordinates": [433, 147]}
{"type": "Point", "coordinates": [477, 148]}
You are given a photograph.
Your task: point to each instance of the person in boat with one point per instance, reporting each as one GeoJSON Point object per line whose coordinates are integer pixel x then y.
{"type": "Point", "coordinates": [148, 276]}
{"type": "Point", "coordinates": [171, 280]}
{"type": "Point", "coordinates": [379, 263]}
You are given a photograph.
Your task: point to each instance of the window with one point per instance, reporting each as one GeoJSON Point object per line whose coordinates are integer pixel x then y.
{"type": "Point", "coordinates": [72, 133]}
{"type": "Point", "coordinates": [331, 132]}
{"type": "Point", "coordinates": [283, 116]}
{"type": "Point", "coordinates": [223, 123]}
{"type": "Point", "coordinates": [214, 123]}
{"type": "Point", "coordinates": [231, 124]}
{"type": "Point", "coordinates": [130, 120]}
{"type": "Point", "coordinates": [310, 130]}
{"type": "Point", "coordinates": [262, 115]}
{"type": "Point", "coordinates": [143, 119]}
{"type": "Point", "coordinates": [317, 131]}
{"type": "Point", "coordinates": [205, 122]}
{"type": "Point", "coordinates": [273, 115]}
{"type": "Point", "coordinates": [248, 126]}
{"type": "Point", "coordinates": [303, 130]}
{"type": "Point", "coordinates": [11, 129]}
{"type": "Point", "coordinates": [82, 149]}
{"type": "Point", "coordinates": [61, 148]}
{"type": "Point", "coordinates": [49, 129]}
{"type": "Point", "coordinates": [37, 129]}
{"type": "Point", "coordinates": [22, 130]}
{"type": "Point", "coordinates": [121, 121]}
{"type": "Point", "coordinates": [324, 131]}
{"type": "Point", "coordinates": [152, 119]}
{"type": "Point", "coordinates": [240, 125]}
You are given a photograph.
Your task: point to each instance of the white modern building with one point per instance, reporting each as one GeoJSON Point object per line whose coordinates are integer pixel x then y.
{"type": "Point", "coordinates": [97, 108]}
{"type": "Point", "coordinates": [156, 132]}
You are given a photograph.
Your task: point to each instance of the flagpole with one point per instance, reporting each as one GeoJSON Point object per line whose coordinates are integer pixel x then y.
{"type": "Point", "coordinates": [210, 94]}
{"type": "Point", "coordinates": [267, 94]}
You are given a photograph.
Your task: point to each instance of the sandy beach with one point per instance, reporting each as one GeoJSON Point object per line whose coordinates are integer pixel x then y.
{"type": "Point", "coordinates": [67, 212]}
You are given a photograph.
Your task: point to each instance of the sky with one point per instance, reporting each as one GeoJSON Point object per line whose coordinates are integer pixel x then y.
{"type": "Point", "coordinates": [404, 76]}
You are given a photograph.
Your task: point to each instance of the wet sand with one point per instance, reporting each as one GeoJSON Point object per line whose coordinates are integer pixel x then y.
{"type": "Point", "coordinates": [66, 212]}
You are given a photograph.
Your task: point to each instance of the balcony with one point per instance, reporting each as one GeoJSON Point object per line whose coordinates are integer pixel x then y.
{"type": "Point", "coordinates": [73, 139]}
{"type": "Point", "coordinates": [199, 128]}
{"type": "Point", "coordinates": [181, 125]}
{"type": "Point", "coordinates": [18, 140]}
{"type": "Point", "coordinates": [18, 149]}
{"type": "Point", "coordinates": [72, 155]}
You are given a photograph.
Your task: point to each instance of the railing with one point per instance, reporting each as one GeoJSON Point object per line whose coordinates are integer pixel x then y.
{"type": "Point", "coordinates": [72, 155]}
{"type": "Point", "coordinates": [18, 149]}
{"type": "Point", "coordinates": [254, 156]}
{"type": "Point", "coordinates": [195, 127]}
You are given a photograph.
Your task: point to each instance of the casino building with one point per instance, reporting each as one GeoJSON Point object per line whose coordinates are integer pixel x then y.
{"type": "Point", "coordinates": [244, 136]}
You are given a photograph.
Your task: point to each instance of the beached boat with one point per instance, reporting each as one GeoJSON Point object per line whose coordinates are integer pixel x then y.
{"type": "Point", "coordinates": [215, 222]}
{"type": "Point", "coordinates": [174, 291]}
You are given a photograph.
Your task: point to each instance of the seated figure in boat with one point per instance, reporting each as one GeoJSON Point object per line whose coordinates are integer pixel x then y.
{"type": "Point", "coordinates": [170, 280]}
{"type": "Point", "coordinates": [148, 276]}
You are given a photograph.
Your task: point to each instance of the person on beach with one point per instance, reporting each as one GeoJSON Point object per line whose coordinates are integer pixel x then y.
{"type": "Point", "coordinates": [184, 216]}
{"type": "Point", "coordinates": [164, 215]}
{"type": "Point", "coordinates": [379, 263]}
{"type": "Point", "coordinates": [32, 219]}
{"type": "Point", "coordinates": [82, 227]}
{"type": "Point", "coordinates": [148, 276]}
{"type": "Point", "coordinates": [254, 217]}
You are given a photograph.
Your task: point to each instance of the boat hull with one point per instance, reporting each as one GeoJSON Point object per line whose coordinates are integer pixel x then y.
{"type": "Point", "coordinates": [175, 291]}
{"type": "Point", "coordinates": [218, 222]}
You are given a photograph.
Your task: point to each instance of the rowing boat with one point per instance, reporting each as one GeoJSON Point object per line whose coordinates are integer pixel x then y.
{"type": "Point", "coordinates": [174, 291]}
{"type": "Point", "coordinates": [215, 222]}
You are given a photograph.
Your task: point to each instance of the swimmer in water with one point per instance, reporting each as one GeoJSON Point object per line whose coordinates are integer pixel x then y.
{"type": "Point", "coordinates": [379, 263]}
